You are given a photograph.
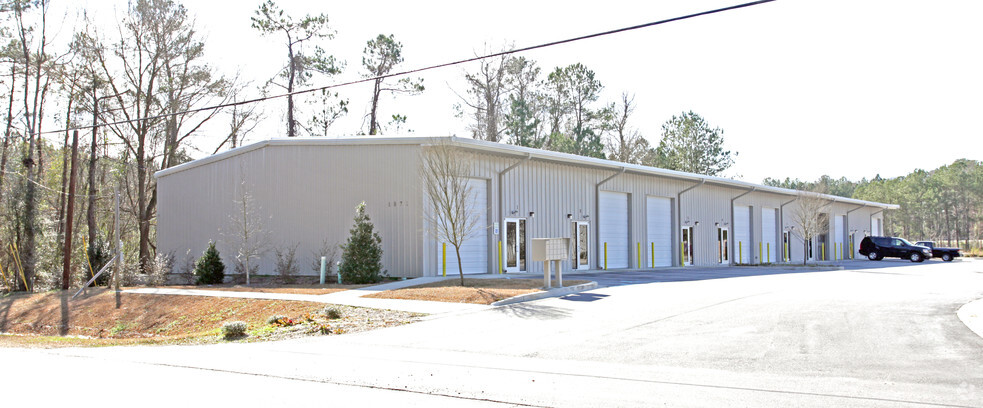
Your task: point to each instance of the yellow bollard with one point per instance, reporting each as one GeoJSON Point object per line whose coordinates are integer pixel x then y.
{"type": "Point", "coordinates": [682, 254]}
{"type": "Point", "coordinates": [501, 267]}
{"type": "Point", "coordinates": [605, 256]}
{"type": "Point", "coordinates": [653, 254]}
{"type": "Point", "coordinates": [445, 259]}
{"type": "Point", "coordinates": [639, 245]}
{"type": "Point", "coordinates": [822, 250]}
{"type": "Point", "coordinates": [740, 252]}
{"type": "Point", "coordinates": [851, 250]}
{"type": "Point", "coordinates": [760, 253]}
{"type": "Point", "coordinates": [769, 252]}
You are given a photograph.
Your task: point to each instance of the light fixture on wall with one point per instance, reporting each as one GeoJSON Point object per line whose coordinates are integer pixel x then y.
{"type": "Point", "coordinates": [514, 212]}
{"type": "Point", "coordinates": [696, 223]}
{"type": "Point", "coordinates": [532, 214]}
{"type": "Point", "coordinates": [687, 221]}
{"type": "Point", "coordinates": [569, 216]}
{"type": "Point", "coordinates": [586, 216]}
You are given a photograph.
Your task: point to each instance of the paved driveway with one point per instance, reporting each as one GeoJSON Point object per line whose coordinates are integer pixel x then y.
{"type": "Point", "coordinates": [877, 334]}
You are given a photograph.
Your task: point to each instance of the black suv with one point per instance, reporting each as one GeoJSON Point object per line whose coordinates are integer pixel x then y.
{"type": "Point", "coordinates": [876, 248]}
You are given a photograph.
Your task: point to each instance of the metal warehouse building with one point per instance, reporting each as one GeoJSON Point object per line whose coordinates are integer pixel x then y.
{"type": "Point", "coordinates": [618, 215]}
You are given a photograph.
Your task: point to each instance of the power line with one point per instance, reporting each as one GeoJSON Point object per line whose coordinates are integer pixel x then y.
{"type": "Point", "coordinates": [427, 68]}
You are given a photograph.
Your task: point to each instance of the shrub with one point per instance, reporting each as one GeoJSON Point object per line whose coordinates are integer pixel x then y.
{"type": "Point", "coordinates": [332, 313]}
{"type": "Point", "coordinates": [209, 268]}
{"type": "Point", "coordinates": [361, 257]}
{"type": "Point", "coordinates": [98, 256]}
{"type": "Point", "coordinates": [186, 270]}
{"type": "Point", "coordinates": [329, 251]}
{"type": "Point", "coordinates": [234, 329]}
{"type": "Point", "coordinates": [286, 263]}
{"type": "Point", "coordinates": [160, 269]}
{"type": "Point", "coordinates": [273, 319]}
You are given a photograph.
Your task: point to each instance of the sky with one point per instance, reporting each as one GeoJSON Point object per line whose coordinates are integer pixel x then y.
{"type": "Point", "coordinates": [801, 88]}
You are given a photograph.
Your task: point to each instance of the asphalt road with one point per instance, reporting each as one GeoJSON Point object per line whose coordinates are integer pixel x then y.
{"type": "Point", "coordinates": [876, 334]}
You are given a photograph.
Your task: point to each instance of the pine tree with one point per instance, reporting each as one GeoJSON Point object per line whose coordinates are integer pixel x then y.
{"type": "Point", "coordinates": [210, 268]}
{"type": "Point", "coordinates": [361, 257]}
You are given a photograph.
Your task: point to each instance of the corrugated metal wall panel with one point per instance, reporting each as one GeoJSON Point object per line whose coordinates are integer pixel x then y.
{"type": "Point", "coordinates": [306, 194]}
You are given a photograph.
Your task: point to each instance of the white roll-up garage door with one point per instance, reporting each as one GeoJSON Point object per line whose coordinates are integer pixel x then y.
{"type": "Point", "coordinates": [612, 228]}
{"type": "Point", "coordinates": [474, 251]}
{"type": "Point", "coordinates": [768, 236]}
{"type": "Point", "coordinates": [658, 224]}
{"type": "Point", "coordinates": [742, 234]}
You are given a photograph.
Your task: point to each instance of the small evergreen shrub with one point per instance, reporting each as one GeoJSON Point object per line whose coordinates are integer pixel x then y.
{"type": "Point", "coordinates": [361, 256]}
{"type": "Point", "coordinates": [209, 269]}
{"type": "Point", "coordinates": [234, 329]}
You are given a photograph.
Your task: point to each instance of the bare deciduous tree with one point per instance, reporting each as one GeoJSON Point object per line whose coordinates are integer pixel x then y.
{"type": "Point", "coordinates": [488, 90]}
{"type": "Point", "coordinates": [809, 217]}
{"type": "Point", "coordinates": [247, 229]}
{"type": "Point", "coordinates": [628, 145]}
{"type": "Point", "coordinates": [446, 172]}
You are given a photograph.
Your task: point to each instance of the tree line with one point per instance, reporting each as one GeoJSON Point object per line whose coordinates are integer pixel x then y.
{"type": "Point", "coordinates": [944, 204]}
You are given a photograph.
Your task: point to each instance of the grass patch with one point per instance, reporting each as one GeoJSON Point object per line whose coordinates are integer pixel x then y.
{"type": "Point", "coordinates": [476, 291]}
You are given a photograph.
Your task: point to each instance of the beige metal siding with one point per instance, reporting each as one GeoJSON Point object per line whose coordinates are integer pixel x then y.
{"type": "Point", "coordinates": [306, 194]}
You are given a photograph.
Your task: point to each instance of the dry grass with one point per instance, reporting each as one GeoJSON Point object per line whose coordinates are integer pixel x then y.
{"type": "Point", "coordinates": [477, 291]}
{"type": "Point", "coordinates": [52, 319]}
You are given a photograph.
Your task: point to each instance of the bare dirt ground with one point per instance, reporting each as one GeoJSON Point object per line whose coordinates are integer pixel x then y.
{"type": "Point", "coordinates": [52, 319]}
{"type": "Point", "coordinates": [477, 291]}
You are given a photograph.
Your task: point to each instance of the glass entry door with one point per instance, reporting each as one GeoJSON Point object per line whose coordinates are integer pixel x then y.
{"type": "Point", "coordinates": [515, 244]}
{"type": "Point", "coordinates": [723, 240]}
{"type": "Point", "coordinates": [786, 249]}
{"type": "Point", "coordinates": [686, 246]}
{"type": "Point", "coordinates": [581, 243]}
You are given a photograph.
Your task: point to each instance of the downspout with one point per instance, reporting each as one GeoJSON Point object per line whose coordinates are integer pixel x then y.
{"type": "Point", "coordinates": [597, 213]}
{"type": "Point", "coordinates": [501, 202]}
{"type": "Point", "coordinates": [679, 217]}
{"type": "Point", "coordinates": [781, 219]}
{"type": "Point", "coordinates": [750, 247]}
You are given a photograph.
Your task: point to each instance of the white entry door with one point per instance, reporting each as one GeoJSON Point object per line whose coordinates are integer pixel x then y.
{"type": "Point", "coordinates": [658, 224]}
{"type": "Point", "coordinates": [581, 245]}
{"type": "Point", "coordinates": [686, 246]}
{"type": "Point", "coordinates": [612, 229]}
{"type": "Point", "coordinates": [515, 244]}
{"type": "Point", "coordinates": [474, 250]}
{"type": "Point", "coordinates": [742, 234]}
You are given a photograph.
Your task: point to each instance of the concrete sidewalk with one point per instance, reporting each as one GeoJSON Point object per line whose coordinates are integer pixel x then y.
{"type": "Point", "coordinates": [351, 297]}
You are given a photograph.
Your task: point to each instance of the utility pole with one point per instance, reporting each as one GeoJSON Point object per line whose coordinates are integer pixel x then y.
{"type": "Point", "coordinates": [67, 262]}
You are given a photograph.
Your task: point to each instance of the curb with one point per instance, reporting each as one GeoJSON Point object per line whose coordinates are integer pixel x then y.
{"type": "Point", "coordinates": [971, 314]}
{"type": "Point", "coordinates": [557, 292]}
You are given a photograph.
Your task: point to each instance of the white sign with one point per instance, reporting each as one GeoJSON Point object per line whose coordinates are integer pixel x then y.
{"type": "Point", "coordinates": [496, 228]}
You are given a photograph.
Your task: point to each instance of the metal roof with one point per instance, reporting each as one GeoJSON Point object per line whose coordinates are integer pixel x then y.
{"type": "Point", "coordinates": [517, 151]}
